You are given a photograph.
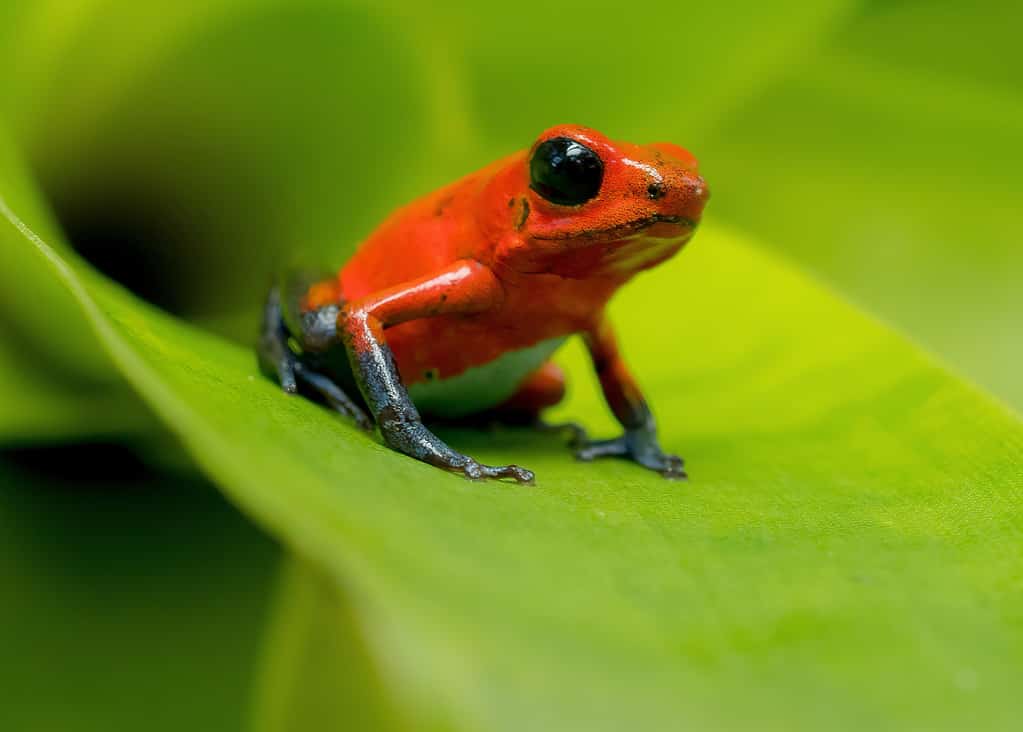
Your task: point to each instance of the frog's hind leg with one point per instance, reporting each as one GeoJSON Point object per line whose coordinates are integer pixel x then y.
{"type": "Point", "coordinates": [277, 359]}
{"type": "Point", "coordinates": [541, 389]}
{"type": "Point", "coordinates": [334, 395]}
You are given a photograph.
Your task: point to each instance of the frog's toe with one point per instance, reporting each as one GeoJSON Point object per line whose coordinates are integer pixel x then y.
{"type": "Point", "coordinates": [477, 471]}
{"type": "Point", "coordinates": [518, 474]}
{"type": "Point", "coordinates": [640, 451]}
{"type": "Point", "coordinates": [670, 466]}
{"type": "Point", "coordinates": [276, 361]}
{"type": "Point", "coordinates": [283, 368]}
{"type": "Point", "coordinates": [286, 378]}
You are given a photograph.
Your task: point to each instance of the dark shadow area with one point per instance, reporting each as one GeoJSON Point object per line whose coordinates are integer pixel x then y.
{"type": "Point", "coordinates": [137, 240]}
{"type": "Point", "coordinates": [104, 467]}
{"type": "Point", "coordinates": [132, 598]}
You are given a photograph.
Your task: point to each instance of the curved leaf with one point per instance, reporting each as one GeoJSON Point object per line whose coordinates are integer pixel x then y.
{"type": "Point", "coordinates": [845, 552]}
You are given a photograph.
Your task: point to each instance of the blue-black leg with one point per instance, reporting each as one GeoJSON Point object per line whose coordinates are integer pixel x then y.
{"type": "Point", "coordinates": [334, 395]}
{"type": "Point", "coordinates": [401, 426]}
{"type": "Point", "coordinates": [278, 360]}
{"type": "Point", "coordinates": [275, 357]}
{"type": "Point", "coordinates": [639, 443]}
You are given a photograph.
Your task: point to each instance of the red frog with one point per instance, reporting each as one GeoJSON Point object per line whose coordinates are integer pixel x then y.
{"type": "Point", "coordinates": [455, 304]}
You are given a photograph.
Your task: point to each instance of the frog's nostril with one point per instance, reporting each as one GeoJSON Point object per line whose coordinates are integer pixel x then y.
{"type": "Point", "coordinates": [701, 191]}
{"type": "Point", "coordinates": [696, 189]}
{"type": "Point", "coordinates": [688, 196]}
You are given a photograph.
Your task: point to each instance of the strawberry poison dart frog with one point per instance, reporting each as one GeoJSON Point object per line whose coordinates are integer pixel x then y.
{"type": "Point", "coordinates": [455, 304]}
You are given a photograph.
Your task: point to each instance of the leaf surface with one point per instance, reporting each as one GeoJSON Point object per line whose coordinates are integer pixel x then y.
{"type": "Point", "coordinates": [846, 550]}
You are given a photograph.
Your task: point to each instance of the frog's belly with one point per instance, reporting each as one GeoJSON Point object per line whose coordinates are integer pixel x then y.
{"type": "Point", "coordinates": [481, 387]}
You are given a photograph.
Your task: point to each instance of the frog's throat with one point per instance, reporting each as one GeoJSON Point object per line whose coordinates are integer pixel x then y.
{"type": "Point", "coordinates": [481, 387]}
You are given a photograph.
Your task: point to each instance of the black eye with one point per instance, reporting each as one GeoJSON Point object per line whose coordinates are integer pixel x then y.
{"type": "Point", "coordinates": [565, 171]}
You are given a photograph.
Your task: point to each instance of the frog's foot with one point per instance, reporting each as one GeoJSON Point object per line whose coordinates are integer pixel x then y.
{"type": "Point", "coordinates": [407, 434]}
{"type": "Point", "coordinates": [277, 359]}
{"type": "Point", "coordinates": [477, 471]}
{"type": "Point", "coordinates": [640, 446]}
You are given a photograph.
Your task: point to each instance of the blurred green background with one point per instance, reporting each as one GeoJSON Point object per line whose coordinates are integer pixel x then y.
{"type": "Point", "coordinates": [189, 151]}
{"type": "Point", "coordinates": [876, 143]}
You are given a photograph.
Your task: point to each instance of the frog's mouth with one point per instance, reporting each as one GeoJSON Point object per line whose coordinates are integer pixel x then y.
{"type": "Point", "coordinates": [655, 226]}
{"type": "Point", "coordinates": [660, 226]}
{"type": "Point", "coordinates": [656, 229]}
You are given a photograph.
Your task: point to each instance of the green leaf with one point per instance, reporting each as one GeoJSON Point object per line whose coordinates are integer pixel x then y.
{"type": "Point", "coordinates": [317, 670]}
{"type": "Point", "coordinates": [845, 554]}
{"type": "Point", "coordinates": [54, 388]}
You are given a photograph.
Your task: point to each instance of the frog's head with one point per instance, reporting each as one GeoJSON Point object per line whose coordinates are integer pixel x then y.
{"type": "Point", "coordinates": [596, 205]}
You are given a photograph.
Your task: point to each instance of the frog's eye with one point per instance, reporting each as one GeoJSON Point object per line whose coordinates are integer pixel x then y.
{"type": "Point", "coordinates": [565, 171]}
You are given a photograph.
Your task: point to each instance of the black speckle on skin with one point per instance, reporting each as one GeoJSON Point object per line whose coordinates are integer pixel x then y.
{"type": "Point", "coordinates": [655, 190]}
{"type": "Point", "coordinates": [442, 205]}
{"type": "Point", "coordinates": [523, 215]}
{"type": "Point", "coordinates": [430, 374]}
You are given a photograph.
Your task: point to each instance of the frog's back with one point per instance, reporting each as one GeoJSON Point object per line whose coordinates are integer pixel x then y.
{"type": "Point", "coordinates": [420, 238]}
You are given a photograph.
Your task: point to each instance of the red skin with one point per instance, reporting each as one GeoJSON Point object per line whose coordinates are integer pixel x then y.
{"type": "Point", "coordinates": [487, 266]}
{"type": "Point", "coordinates": [524, 268]}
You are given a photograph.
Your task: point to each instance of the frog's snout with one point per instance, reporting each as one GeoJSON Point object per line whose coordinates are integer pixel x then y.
{"type": "Point", "coordinates": [676, 188]}
{"type": "Point", "coordinates": [679, 196]}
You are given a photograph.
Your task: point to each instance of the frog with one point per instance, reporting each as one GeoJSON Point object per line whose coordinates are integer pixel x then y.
{"type": "Point", "coordinates": [453, 307]}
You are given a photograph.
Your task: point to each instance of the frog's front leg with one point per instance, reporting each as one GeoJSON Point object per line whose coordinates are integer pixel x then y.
{"type": "Point", "coordinates": [639, 443]}
{"type": "Point", "coordinates": [464, 287]}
